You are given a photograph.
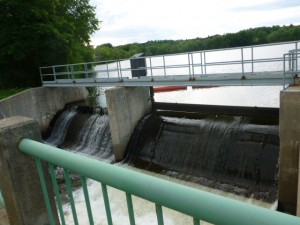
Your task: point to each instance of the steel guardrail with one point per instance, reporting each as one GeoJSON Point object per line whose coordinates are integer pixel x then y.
{"type": "Point", "coordinates": [200, 205]}
{"type": "Point", "coordinates": [247, 63]}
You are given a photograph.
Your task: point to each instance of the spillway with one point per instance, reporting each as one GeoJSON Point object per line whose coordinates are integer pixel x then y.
{"type": "Point", "coordinates": [235, 154]}
{"type": "Point", "coordinates": [83, 131]}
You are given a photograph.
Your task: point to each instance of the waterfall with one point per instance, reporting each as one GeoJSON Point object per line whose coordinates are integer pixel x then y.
{"type": "Point", "coordinates": [60, 127]}
{"type": "Point", "coordinates": [229, 153]}
{"type": "Point", "coordinates": [84, 133]}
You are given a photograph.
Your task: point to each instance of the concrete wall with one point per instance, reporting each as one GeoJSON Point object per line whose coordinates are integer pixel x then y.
{"type": "Point", "coordinates": [289, 131]}
{"type": "Point", "coordinates": [19, 179]}
{"type": "Point", "coordinates": [126, 106]}
{"type": "Point", "coordinates": [41, 103]}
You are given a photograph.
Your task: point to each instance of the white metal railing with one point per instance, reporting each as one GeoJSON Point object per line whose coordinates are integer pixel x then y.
{"type": "Point", "coordinates": [291, 64]}
{"type": "Point", "coordinates": [241, 61]}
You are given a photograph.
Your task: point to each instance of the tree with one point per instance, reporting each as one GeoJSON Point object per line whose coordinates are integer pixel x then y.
{"type": "Point", "coordinates": [38, 33]}
{"type": "Point", "coordinates": [254, 36]}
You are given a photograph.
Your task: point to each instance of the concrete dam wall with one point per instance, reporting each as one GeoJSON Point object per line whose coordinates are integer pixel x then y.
{"type": "Point", "coordinates": [41, 103]}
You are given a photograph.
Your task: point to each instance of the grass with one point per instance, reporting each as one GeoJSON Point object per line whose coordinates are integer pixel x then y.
{"type": "Point", "coordinates": [4, 93]}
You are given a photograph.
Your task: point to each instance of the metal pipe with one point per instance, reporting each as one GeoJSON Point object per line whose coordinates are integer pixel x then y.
{"type": "Point", "coordinates": [195, 203]}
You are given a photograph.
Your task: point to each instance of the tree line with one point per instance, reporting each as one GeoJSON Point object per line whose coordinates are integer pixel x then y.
{"type": "Point", "coordinates": [41, 32]}
{"type": "Point", "coordinates": [255, 36]}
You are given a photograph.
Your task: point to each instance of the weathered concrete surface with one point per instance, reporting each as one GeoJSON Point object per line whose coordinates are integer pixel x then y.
{"type": "Point", "coordinates": [41, 103]}
{"type": "Point", "coordinates": [20, 185]}
{"type": "Point", "coordinates": [289, 131]}
{"type": "Point", "coordinates": [3, 217]}
{"type": "Point", "coordinates": [126, 106]}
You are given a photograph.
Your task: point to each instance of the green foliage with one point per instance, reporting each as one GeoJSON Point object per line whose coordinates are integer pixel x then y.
{"type": "Point", "coordinates": [4, 93]}
{"type": "Point", "coordinates": [40, 33]}
{"type": "Point", "coordinates": [256, 36]}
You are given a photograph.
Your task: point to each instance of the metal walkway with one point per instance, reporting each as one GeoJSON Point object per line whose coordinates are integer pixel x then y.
{"type": "Point", "coordinates": [261, 65]}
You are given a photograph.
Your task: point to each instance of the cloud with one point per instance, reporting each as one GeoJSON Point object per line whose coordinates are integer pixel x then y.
{"type": "Point", "coordinates": [269, 5]}
{"type": "Point", "coordinates": [140, 21]}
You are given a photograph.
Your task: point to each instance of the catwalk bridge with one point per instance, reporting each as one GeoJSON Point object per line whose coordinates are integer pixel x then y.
{"type": "Point", "coordinates": [271, 64]}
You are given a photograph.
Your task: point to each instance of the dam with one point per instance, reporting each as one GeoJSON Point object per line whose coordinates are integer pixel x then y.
{"type": "Point", "coordinates": [233, 152]}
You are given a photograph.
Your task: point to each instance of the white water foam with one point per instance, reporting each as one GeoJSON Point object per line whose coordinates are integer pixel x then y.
{"type": "Point", "coordinates": [144, 211]}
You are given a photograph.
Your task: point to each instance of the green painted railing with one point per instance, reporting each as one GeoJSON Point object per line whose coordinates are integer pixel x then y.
{"type": "Point", "coordinates": [198, 204]}
{"type": "Point", "coordinates": [2, 203]}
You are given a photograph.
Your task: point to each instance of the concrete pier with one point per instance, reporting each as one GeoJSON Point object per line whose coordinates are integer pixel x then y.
{"type": "Point", "coordinates": [289, 131]}
{"type": "Point", "coordinates": [126, 106]}
{"type": "Point", "coordinates": [20, 184]}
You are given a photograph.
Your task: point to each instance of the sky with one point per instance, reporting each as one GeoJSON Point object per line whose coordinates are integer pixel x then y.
{"type": "Point", "coordinates": [129, 21]}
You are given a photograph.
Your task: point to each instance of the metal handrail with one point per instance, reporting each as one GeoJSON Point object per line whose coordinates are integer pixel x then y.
{"type": "Point", "coordinates": [292, 69]}
{"type": "Point", "coordinates": [191, 66]}
{"type": "Point", "coordinates": [198, 204]}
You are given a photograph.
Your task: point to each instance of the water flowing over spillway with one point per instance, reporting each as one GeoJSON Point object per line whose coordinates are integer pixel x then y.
{"type": "Point", "coordinates": [83, 132]}
{"type": "Point", "coordinates": [235, 154]}
{"type": "Point", "coordinates": [231, 153]}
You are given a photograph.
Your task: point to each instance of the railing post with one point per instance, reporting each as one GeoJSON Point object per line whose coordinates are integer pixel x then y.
{"type": "Point", "coordinates": [164, 61]}
{"type": "Point", "coordinates": [54, 74]}
{"type": "Point", "coordinates": [252, 59]}
{"type": "Point", "coordinates": [296, 56]}
{"type": "Point", "coordinates": [20, 184]}
{"type": "Point", "coordinates": [151, 66]}
{"type": "Point", "coordinates": [204, 60]}
{"type": "Point", "coordinates": [201, 62]}
{"type": "Point", "coordinates": [242, 58]}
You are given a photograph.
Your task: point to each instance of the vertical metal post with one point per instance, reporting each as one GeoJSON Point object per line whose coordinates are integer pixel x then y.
{"type": "Point", "coordinates": [106, 202]}
{"type": "Point", "coordinates": [151, 66]}
{"type": "Point", "coordinates": [189, 62]}
{"type": "Point", "coordinates": [42, 80]}
{"type": "Point", "coordinates": [120, 68]}
{"type": "Point", "coordinates": [201, 62]}
{"type": "Point", "coordinates": [130, 209]}
{"type": "Point", "coordinates": [252, 59]}
{"type": "Point", "coordinates": [284, 70]}
{"type": "Point", "coordinates": [204, 60]}
{"type": "Point", "coordinates": [165, 73]}
{"type": "Point", "coordinates": [54, 75]}
{"type": "Point", "coordinates": [45, 192]}
{"type": "Point", "coordinates": [68, 72]}
{"type": "Point", "coordinates": [242, 57]}
{"type": "Point", "coordinates": [72, 70]}
{"type": "Point", "coordinates": [107, 70]}
{"type": "Point", "coordinates": [57, 194]}
{"type": "Point", "coordinates": [87, 199]}
{"type": "Point", "coordinates": [297, 56]}
{"type": "Point", "coordinates": [70, 192]}
{"type": "Point", "coordinates": [159, 214]}
{"type": "Point", "coordinates": [85, 70]}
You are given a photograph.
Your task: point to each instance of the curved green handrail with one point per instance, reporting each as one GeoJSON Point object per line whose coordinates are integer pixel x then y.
{"type": "Point", "coordinates": [198, 204]}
